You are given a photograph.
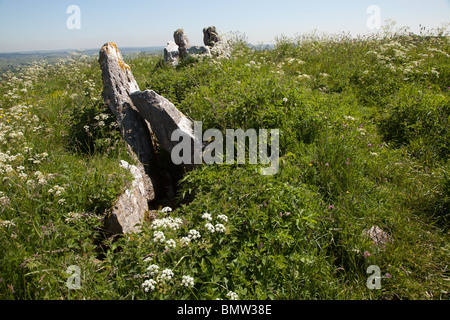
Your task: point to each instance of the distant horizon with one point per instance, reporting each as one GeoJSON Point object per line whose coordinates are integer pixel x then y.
{"type": "Point", "coordinates": [48, 25]}
{"type": "Point", "coordinates": [74, 50]}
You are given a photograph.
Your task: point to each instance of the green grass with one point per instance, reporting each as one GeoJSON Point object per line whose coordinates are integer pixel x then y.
{"type": "Point", "coordinates": [364, 131]}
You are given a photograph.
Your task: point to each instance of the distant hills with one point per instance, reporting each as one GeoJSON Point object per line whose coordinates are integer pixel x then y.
{"type": "Point", "coordinates": [14, 60]}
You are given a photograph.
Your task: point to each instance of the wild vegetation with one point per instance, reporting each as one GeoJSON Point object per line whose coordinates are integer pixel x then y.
{"type": "Point", "coordinates": [364, 141]}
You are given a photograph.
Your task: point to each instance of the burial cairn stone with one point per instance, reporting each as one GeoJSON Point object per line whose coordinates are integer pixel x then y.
{"type": "Point", "coordinates": [140, 114]}
{"type": "Point", "coordinates": [210, 36]}
{"type": "Point", "coordinates": [118, 83]}
{"type": "Point", "coordinates": [182, 42]}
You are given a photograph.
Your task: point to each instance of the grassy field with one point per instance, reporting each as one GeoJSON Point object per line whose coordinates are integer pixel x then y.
{"type": "Point", "coordinates": [364, 141]}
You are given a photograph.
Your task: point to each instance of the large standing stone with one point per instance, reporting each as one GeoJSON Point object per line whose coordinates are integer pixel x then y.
{"type": "Point", "coordinates": [118, 84]}
{"type": "Point", "coordinates": [171, 53]}
{"type": "Point", "coordinates": [182, 42]}
{"type": "Point", "coordinates": [210, 36]}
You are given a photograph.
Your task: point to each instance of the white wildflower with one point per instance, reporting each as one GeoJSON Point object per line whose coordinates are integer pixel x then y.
{"type": "Point", "coordinates": [165, 275]}
{"type": "Point", "coordinates": [210, 227]}
{"type": "Point", "coordinates": [207, 216]}
{"type": "Point", "coordinates": [187, 281]}
{"type": "Point", "coordinates": [194, 234]}
{"type": "Point", "coordinates": [185, 241]}
{"type": "Point", "coordinates": [166, 209]}
{"type": "Point", "coordinates": [153, 269]}
{"type": "Point", "coordinates": [232, 295]}
{"type": "Point", "coordinates": [220, 227]}
{"type": "Point", "coordinates": [158, 236]}
{"type": "Point", "coordinates": [167, 223]}
{"type": "Point", "coordinates": [149, 285]}
{"type": "Point", "coordinates": [222, 217]}
{"type": "Point", "coordinates": [171, 244]}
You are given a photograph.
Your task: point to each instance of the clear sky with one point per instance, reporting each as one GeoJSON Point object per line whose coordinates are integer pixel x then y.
{"type": "Point", "coordinates": [28, 25]}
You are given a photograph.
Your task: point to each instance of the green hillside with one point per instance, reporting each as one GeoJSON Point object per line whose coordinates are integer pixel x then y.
{"type": "Point", "coordinates": [364, 141]}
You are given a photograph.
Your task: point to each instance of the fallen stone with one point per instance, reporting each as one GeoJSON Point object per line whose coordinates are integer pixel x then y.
{"type": "Point", "coordinates": [118, 84]}
{"type": "Point", "coordinates": [130, 209]}
{"type": "Point", "coordinates": [198, 50]}
{"type": "Point", "coordinates": [378, 236]}
{"type": "Point", "coordinates": [163, 116]}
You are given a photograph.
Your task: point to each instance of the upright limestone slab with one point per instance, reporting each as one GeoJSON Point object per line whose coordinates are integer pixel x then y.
{"type": "Point", "coordinates": [118, 84]}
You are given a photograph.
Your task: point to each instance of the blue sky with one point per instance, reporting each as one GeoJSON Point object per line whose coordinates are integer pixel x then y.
{"type": "Point", "coordinates": [41, 25]}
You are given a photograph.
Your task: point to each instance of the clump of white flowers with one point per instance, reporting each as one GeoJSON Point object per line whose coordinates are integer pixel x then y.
{"type": "Point", "coordinates": [220, 227]}
{"type": "Point", "coordinates": [222, 217]}
{"type": "Point", "coordinates": [185, 241]}
{"type": "Point", "coordinates": [167, 223]}
{"type": "Point", "coordinates": [158, 236]}
{"type": "Point", "coordinates": [207, 216]}
{"type": "Point", "coordinates": [171, 244]}
{"type": "Point", "coordinates": [232, 295]}
{"type": "Point", "coordinates": [210, 227]}
{"type": "Point", "coordinates": [187, 281]}
{"type": "Point", "coordinates": [149, 285]}
{"type": "Point", "coordinates": [165, 275]}
{"type": "Point", "coordinates": [153, 269]}
{"type": "Point", "coordinates": [194, 234]}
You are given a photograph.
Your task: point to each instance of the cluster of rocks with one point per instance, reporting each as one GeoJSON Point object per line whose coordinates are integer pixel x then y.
{"type": "Point", "coordinates": [181, 48]}
{"type": "Point", "coordinates": [145, 119]}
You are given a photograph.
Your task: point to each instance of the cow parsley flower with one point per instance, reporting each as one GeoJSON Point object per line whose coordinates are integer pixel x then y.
{"type": "Point", "coordinates": [165, 275]}
{"type": "Point", "coordinates": [210, 227]}
{"type": "Point", "coordinates": [171, 244]}
{"type": "Point", "coordinates": [207, 216]}
{"type": "Point", "coordinates": [220, 227]}
{"type": "Point", "coordinates": [149, 285]}
{"type": "Point", "coordinates": [194, 234]}
{"type": "Point", "coordinates": [232, 295]}
{"type": "Point", "coordinates": [158, 236]}
{"type": "Point", "coordinates": [187, 281]}
{"type": "Point", "coordinates": [153, 269]}
{"type": "Point", "coordinates": [222, 217]}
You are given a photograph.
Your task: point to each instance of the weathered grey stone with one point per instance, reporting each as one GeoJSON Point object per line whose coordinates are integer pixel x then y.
{"type": "Point", "coordinates": [130, 209]}
{"type": "Point", "coordinates": [221, 49]}
{"type": "Point", "coordinates": [171, 53]}
{"type": "Point", "coordinates": [210, 36]}
{"type": "Point", "coordinates": [198, 50]}
{"type": "Point", "coordinates": [163, 116]}
{"type": "Point", "coordinates": [378, 236]}
{"type": "Point", "coordinates": [182, 42]}
{"type": "Point", "coordinates": [118, 83]}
